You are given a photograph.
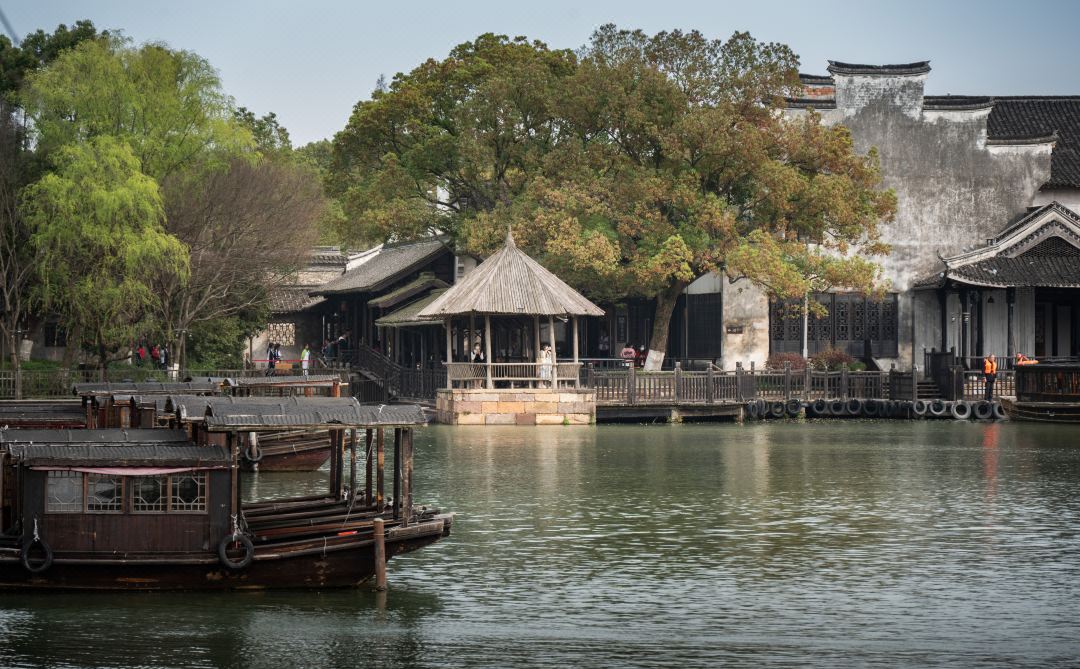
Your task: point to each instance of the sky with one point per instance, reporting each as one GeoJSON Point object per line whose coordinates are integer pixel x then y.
{"type": "Point", "coordinates": [310, 62]}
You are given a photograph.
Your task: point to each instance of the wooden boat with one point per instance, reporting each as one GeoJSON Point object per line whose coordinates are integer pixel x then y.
{"type": "Point", "coordinates": [97, 398]}
{"type": "Point", "coordinates": [158, 511]}
{"type": "Point", "coordinates": [1046, 392]}
{"type": "Point", "coordinates": [42, 414]}
{"type": "Point", "coordinates": [280, 450]}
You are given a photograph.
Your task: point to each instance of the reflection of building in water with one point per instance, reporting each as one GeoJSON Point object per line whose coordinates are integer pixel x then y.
{"type": "Point", "coordinates": [991, 434]}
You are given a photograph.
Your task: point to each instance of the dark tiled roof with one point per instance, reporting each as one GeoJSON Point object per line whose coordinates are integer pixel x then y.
{"type": "Point", "coordinates": [919, 67]}
{"type": "Point", "coordinates": [812, 79]}
{"type": "Point", "coordinates": [1034, 117]}
{"type": "Point", "coordinates": [327, 256]}
{"type": "Point", "coordinates": [957, 102]}
{"type": "Point", "coordinates": [113, 436]}
{"type": "Point", "coordinates": [409, 314]}
{"type": "Point", "coordinates": [390, 263]}
{"type": "Point", "coordinates": [292, 299]}
{"type": "Point", "coordinates": [1040, 272]}
{"type": "Point", "coordinates": [380, 415]}
{"type": "Point", "coordinates": [290, 381]}
{"type": "Point", "coordinates": [147, 454]}
{"type": "Point", "coordinates": [193, 408]}
{"type": "Point", "coordinates": [147, 388]}
{"type": "Point", "coordinates": [418, 285]}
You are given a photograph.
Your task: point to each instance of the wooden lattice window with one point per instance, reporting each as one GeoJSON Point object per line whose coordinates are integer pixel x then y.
{"type": "Point", "coordinates": [104, 493]}
{"type": "Point", "coordinates": [179, 493]}
{"type": "Point", "coordinates": [282, 333]}
{"type": "Point", "coordinates": [64, 492]}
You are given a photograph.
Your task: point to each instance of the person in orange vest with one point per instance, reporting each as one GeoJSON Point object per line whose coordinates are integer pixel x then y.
{"type": "Point", "coordinates": [1022, 359]}
{"type": "Point", "coordinates": [990, 375]}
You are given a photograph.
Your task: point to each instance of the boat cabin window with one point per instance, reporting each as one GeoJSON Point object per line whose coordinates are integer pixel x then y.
{"type": "Point", "coordinates": [104, 494]}
{"type": "Point", "coordinates": [179, 493]}
{"type": "Point", "coordinates": [75, 492]}
{"type": "Point", "coordinates": [64, 492]}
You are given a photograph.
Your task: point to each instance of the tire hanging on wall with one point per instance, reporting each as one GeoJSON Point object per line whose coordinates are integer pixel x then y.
{"type": "Point", "coordinates": [961, 410]}
{"type": "Point", "coordinates": [777, 410]}
{"type": "Point", "coordinates": [836, 408]}
{"type": "Point", "coordinates": [793, 407]}
{"type": "Point", "coordinates": [854, 406]}
{"type": "Point", "coordinates": [820, 407]}
{"type": "Point", "coordinates": [983, 410]}
{"type": "Point", "coordinates": [938, 408]}
{"type": "Point", "coordinates": [999, 411]}
{"type": "Point", "coordinates": [920, 407]}
{"type": "Point", "coordinates": [871, 408]}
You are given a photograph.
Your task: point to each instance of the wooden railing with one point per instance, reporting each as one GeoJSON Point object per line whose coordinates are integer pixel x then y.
{"type": "Point", "coordinates": [712, 386]}
{"type": "Point", "coordinates": [975, 384]}
{"type": "Point", "coordinates": [58, 382]}
{"type": "Point", "coordinates": [513, 374]}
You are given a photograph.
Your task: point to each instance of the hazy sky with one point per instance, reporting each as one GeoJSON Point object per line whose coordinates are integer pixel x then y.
{"type": "Point", "coordinates": [311, 62]}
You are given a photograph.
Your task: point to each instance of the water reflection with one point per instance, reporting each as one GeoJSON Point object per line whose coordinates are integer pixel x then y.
{"type": "Point", "coordinates": [862, 543]}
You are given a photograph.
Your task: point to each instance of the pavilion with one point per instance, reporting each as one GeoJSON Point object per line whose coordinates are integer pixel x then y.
{"type": "Point", "coordinates": [520, 303]}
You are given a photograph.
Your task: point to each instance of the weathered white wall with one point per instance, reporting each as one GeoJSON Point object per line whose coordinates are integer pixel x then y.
{"type": "Point", "coordinates": [1024, 313]}
{"type": "Point", "coordinates": [953, 190]}
{"type": "Point", "coordinates": [745, 306]}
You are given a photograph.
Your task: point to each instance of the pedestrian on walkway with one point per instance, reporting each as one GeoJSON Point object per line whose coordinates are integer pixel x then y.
{"type": "Point", "coordinates": [271, 361]}
{"type": "Point", "coordinates": [990, 375]}
{"type": "Point", "coordinates": [305, 357]}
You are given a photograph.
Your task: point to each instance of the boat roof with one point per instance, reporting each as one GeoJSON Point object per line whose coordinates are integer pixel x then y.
{"type": "Point", "coordinates": [255, 417]}
{"type": "Point", "coordinates": [135, 454]}
{"type": "Point", "coordinates": [296, 380]}
{"type": "Point", "coordinates": [108, 436]}
{"type": "Point", "coordinates": [145, 388]}
{"type": "Point", "coordinates": [193, 408]}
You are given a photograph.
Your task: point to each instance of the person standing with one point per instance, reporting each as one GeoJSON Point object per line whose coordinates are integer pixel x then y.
{"type": "Point", "coordinates": [990, 375]}
{"type": "Point", "coordinates": [628, 354]}
{"type": "Point", "coordinates": [305, 357]}
{"type": "Point", "coordinates": [270, 362]}
{"type": "Point", "coordinates": [546, 366]}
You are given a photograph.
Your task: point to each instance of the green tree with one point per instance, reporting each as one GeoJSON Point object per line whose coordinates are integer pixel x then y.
{"type": "Point", "coordinates": [450, 138]}
{"type": "Point", "coordinates": [97, 230]}
{"type": "Point", "coordinates": [632, 169]}
{"type": "Point", "coordinates": [271, 138]}
{"type": "Point", "coordinates": [166, 104]}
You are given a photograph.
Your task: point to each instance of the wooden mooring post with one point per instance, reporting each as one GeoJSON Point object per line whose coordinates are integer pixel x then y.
{"type": "Point", "coordinates": [380, 553]}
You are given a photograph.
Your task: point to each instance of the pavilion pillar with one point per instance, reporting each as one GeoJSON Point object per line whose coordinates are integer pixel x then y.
{"type": "Point", "coordinates": [487, 349]}
{"type": "Point", "coordinates": [1010, 299]}
{"type": "Point", "coordinates": [577, 373]}
{"type": "Point", "coordinates": [536, 347]}
{"type": "Point", "coordinates": [449, 340]}
{"type": "Point", "coordinates": [471, 337]}
{"type": "Point", "coordinates": [554, 354]}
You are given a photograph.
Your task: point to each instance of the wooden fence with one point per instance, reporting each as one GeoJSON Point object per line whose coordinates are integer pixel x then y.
{"type": "Point", "coordinates": [33, 384]}
{"type": "Point", "coordinates": [635, 387]}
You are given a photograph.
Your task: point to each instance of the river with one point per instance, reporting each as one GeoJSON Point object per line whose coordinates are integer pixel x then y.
{"type": "Point", "coordinates": [888, 543]}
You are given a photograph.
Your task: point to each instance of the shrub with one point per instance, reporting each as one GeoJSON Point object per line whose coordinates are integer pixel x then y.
{"type": "Point", "coordinates": [777, 360]}
{"type": "Point", "coordinates": [830, 359]}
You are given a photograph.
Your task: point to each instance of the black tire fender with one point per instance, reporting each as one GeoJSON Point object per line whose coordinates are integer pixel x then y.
{"type": "Point", "coordinates": [854, 406]}
{"type": "Point", "coordinates": [252, 453]}
{"type": "Point", "coordinates": [223, 551]}
{"type": "Point", "coordinates": [999, 411]}
{"type": "Point", "coordinates": [27, 560]}
{"type": "Point", "coordinates": [938, 408]}
{"type": "Point", "coordinates": [920, 407]}
{"type": "Point", "coordinates": [871, 408]}
{"type": "Point", "coordinates": [820, 407]}
{"type": "Point", "coordinates": [983, 410]}
{"type": "Point", "coordinates": [793, 407]}
{"type": "Point", "coordinates": [961, 410]}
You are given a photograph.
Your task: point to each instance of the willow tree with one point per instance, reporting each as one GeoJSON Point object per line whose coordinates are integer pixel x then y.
{"type": "Point", "coordinates": [97, 229]}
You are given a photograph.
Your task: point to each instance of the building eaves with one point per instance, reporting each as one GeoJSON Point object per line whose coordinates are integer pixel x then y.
{"type": "Point", "coordinates": [390, 263]}
{"type": "Point", "coordinates": [919, 67]}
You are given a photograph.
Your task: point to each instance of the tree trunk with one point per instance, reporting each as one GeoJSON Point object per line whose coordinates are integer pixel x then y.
{"type": "Point", "coordinates": [665, 306]}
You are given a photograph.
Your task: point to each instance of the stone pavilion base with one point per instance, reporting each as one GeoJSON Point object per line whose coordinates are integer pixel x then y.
{"type": "Point", "coordinates": [515, 406]}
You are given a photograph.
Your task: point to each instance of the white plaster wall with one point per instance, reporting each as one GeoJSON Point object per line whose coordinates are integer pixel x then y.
{"type": "Point", "coordinates": [1070, 197]}
{"type": "Point", "coordinates": [926, 311]}
{"type": "Point", "coordinates": [1024, 316]}
{"type": "Point", "coordinates": [708, 284]}
{"type": "Point", "coordinates": [996, 322]}
{"type": "Point", "coordinates": [746, 306]}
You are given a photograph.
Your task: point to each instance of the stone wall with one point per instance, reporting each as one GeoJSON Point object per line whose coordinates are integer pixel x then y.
{"type": "Point", "coordinates": [515, 406]}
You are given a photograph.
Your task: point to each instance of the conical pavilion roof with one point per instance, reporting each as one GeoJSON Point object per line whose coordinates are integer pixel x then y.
{"type": "Point", "coordinates": [511, 283]}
